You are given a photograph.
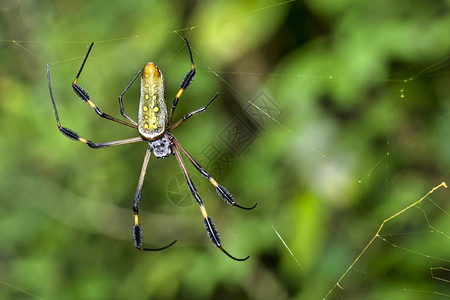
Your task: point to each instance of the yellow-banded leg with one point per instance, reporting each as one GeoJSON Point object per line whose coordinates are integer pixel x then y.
{"type": "Point", "coordinates": [221, 191]}
{"type": "Point", "coordinates": [184, 83]}
{"type": "Point", "coordinates": [85, 96]}
{"type": "Point", "coordinates": [74, 136]}
{"type": "Point", "coordinates": [137, 231]}
{"type": "Point", "coordinates": [211, 229]}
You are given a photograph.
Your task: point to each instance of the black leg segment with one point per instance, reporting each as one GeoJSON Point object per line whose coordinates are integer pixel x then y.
{"type": "Point", "coordinates": [122, 110]}
{"type": "Point", "coordinates": [201, 109]}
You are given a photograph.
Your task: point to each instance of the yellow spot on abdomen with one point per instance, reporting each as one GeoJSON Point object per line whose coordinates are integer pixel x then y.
{"type": "Point", "coordinates": [156, 109]}
{"type": "Point", "coordinates": [145, 108]}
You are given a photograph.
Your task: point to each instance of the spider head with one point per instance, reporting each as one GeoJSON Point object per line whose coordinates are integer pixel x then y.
{"type": "Point", "coordinates": [161, 147]}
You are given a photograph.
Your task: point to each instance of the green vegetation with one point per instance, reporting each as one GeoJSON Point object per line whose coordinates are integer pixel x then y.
{"type": "Point", "coordinates": [358, 130]}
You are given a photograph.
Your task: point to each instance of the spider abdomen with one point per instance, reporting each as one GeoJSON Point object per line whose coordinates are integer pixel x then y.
{"type": "Point", "coordinates": [152, 116]}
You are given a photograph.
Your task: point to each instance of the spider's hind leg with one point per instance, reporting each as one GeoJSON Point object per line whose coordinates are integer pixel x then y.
{"type": "Point", "coordinates": [137, 231]}
{"type": "Point", "coordinates": [210, 227]}
{"type": "Point", "coordinates": [221, 191]}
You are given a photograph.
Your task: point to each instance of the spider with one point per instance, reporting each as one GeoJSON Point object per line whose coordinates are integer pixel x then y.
{"type": "Point", "coordinates": [154, 126]}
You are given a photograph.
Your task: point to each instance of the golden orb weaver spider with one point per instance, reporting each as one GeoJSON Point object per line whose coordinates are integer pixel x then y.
{"type": "Point", "coordinates": [154, 126]}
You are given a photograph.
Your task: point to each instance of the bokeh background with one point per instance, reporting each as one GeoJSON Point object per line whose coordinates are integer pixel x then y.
{"type": "Point", "coordinates": [332, 115]}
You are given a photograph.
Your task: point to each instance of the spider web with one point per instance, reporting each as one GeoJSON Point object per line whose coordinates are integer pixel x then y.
{"type": "Point", "coordinates": [422, 216]}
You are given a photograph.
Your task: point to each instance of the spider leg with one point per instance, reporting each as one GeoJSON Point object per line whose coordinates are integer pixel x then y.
{"type": "Point", "coordinates": [184, 83]}
{"type": "Point", "coordinates": [221, 191]}
{"type": "Point", "coordinates": [210, 227]}
{"type": "Point", "coordinates": [74, 136]}
{"type": "Point", "coordinates": [201, 109]}
{"type": "Point", "coordinates": [122, 110]}
{"type": "Point", "coordinates": [85, 96]}
{"type": "Point", "coordinates": [137, 231]}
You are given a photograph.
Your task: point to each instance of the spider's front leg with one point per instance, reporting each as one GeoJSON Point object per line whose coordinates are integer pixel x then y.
{"type": "Point", "coordinates": [184, 83]}
{"type": "Point", "coordinates": [85, 96]}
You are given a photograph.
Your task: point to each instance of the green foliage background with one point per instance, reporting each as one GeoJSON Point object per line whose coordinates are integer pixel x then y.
{"type": "Point", "coordinates": [355, 144]}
